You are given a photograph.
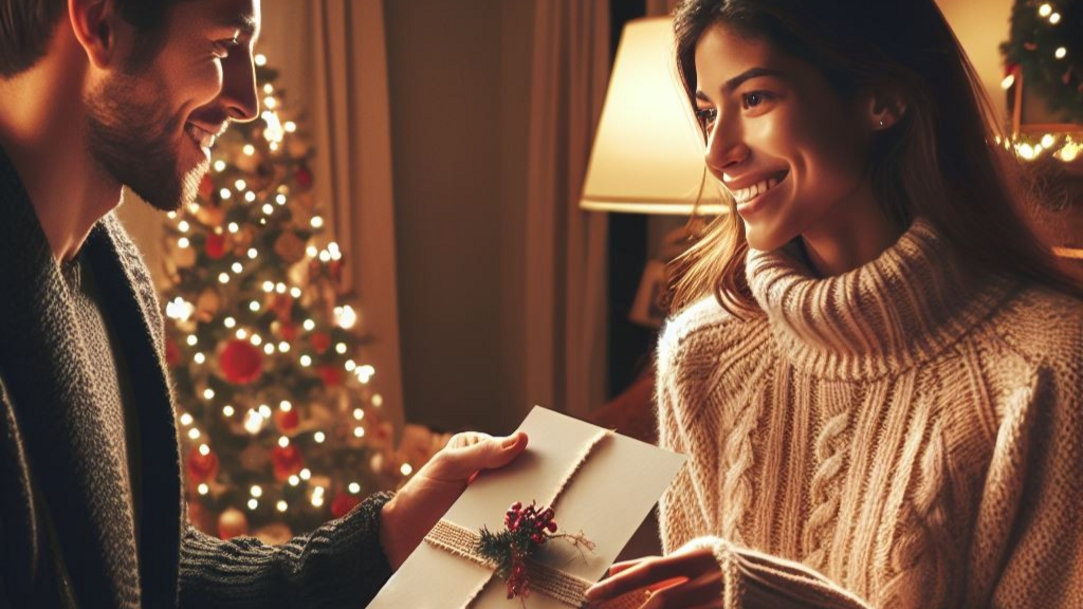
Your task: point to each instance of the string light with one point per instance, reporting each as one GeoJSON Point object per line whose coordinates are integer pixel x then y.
{"type": "Point", "coordinates": [306, 361]}
{"type": "Point", "coordinates": [253, 504]}
{"type": "Point", "coordinates": [1060, 53]}
{"type": "Point", "coordinates": [311, 251]}
{"type": "Point", "coordinates": [281, 505]}
{"type": "Point", "coordinates": [208, 394]}
{"type": "Point", "coordinates": [229, 322]}
{"type": "Point", "coordinates": [204, 450]}
{"type": "Point", "coordinates": [265, 411]}
{"type": "Point", "coordinates": [308, 325]}
{"type": "Point", "coordinates": [225, 193]}
{"type": "Point", "coordinates": [365, 373]}
{"type": "Point", "coordinates": [249, 196]}
{"type": "Point", "coordinates": [256, 491]}
{"type": "Point", "coordinates": [268, 88]}
{"type": "Point", "coordinates": [354, 488]}
{"type": "Point", "coordinates": [377, 400]}
{"type": "Point", "coordinates": [1045, 9]}
{"type": "Point", "coordinates": [237, 267]}
{"type": "Point", "coordinates": [1047, 140]}
{"type": "Point", "coordinates": [253, 422]}
{"type": "Point", "coordinates": [316, 222]}
{"type": "Point", "coordinates": [283, 441]}
{"type": "Point", "coordinates": [240, 185]}
{"type": "Point", "coordinates": [183, 226]}
{"type": "Point", "coordinates": [248, 150]}
{"type": "Point", "coordinates": [290, 126]}
{"type": "Point", "coordinates": [305, 474]}
{"type": "Point", "coordinates": [253, 306]}
{"type": "Point", "coordinates": [233, 228]}
{"type": "Point", "coordinates": [227, 410]}
{"type": "Point", "coordinates": [295, 292]}
{"type": "Point", "coordinates": [203, 488]}
{"type": "Point", "coordinates": [358, 414]}
{"type": "Point", "coordinates": [1008, 81]}
{"type": "Point", "coordinates": [179, 309]}
{"type": "Point", "coordinates": [193, 434]}
{"type": "Point", "coordinates": [241, 334]}
{"type": "Point", "coordinates": [345, 317]}
{"type": "Point", "coordinates": [359, 432]}
{"type": "Point", "coordinates": [192, 340]}
{"type": "Point", "coordinates": [261, 60]}
{"type": "Point", "coordinates": [186, 419]}
{"type": "Point", "coordinates": [1054, 18]}
{"type": "Point", "coordinates": [319, 437]}
{"type": "Point", "coordinates": [280, 288]}
{"type": "Point", "coordinates": [199, 358]}
{"type": "Point", "coordinates": [406, 469]}
{"type": "Point", "coordinates": [268, 209]}
{"type": "Point", "coordinates": [223, 278]}
{"type": "Point", "coordinates": [183, 243]}
{"type": "Point", "coordinates": [283, 347]}
{"type": "Point", "coordinates": [340, 348]}
{"type": "Point", "coordinates": [252, 253]}
{"type": "Point", "coordinates": [219, 165]}
{"type": "Point", "coordinates": [280, 199]}
{"type": "Point", "coordinates": [350, 365]}
{"type": "Point", "coordinates": [294, 480]}
{"type": "Point", "coordinates": [269, 349]}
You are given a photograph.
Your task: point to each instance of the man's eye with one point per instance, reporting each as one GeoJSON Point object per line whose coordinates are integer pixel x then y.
{"type": "Point", "coordinates": [706, 116]}
{"type": "Point", "coordinates": [222, 48]}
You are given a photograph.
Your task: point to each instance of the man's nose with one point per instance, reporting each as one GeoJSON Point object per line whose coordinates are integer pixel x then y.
{"type": "Point", "coordinates": [239, 93]}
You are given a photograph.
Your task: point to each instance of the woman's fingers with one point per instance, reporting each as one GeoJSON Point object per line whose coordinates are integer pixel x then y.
{"type": "Point", "coordinates": [703, 591]}
{"type": "Point", "coordinates": [652, 571]}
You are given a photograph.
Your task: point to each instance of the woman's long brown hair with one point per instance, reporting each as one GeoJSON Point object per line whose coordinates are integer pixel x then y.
{"type": "Point", "coordinates": [940, 162]}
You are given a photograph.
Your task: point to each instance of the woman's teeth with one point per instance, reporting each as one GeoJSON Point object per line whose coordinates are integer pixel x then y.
{"type": "Point", "coordinates": [749, 193]}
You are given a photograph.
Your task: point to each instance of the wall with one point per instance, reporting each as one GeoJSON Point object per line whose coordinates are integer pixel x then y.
{"type": "Point", "coordinates": [458, 86]}
{"type": "Point", "coordinates": [981, 25]}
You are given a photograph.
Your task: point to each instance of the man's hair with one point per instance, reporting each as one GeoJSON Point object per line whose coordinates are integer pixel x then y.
{"type": "Point", "coordinates": [26, 27]}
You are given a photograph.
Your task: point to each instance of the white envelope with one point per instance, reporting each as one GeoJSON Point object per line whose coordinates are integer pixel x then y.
{"type": "Point", "coordinates": [608, 497]}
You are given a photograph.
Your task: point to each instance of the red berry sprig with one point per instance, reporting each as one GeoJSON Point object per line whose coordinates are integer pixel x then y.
{"type": "Point", "coordinates": [527, 529]}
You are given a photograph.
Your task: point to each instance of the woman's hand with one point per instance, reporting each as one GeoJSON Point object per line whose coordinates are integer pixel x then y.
{"type": "Point", "coordinates": [415, 509]}
{"type": "Point", "coordinates": [689, 579]}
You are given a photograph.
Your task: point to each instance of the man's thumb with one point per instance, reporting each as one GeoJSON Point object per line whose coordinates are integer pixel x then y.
{"type": "Point", "coordinates": [491, 453]}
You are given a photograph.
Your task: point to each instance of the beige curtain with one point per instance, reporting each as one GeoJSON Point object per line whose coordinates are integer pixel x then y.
{"type": "Point", "coordinates": [565, 247]}
{"type": "Point", "coordinates": [349, 111]}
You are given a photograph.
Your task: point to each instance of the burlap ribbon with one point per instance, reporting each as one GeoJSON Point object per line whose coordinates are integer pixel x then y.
{"type": "Point", "coordinates": [554, 583]}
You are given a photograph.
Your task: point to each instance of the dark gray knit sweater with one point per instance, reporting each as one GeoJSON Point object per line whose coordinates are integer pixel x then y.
{"type": "Point", "coordinates": [67, 533]}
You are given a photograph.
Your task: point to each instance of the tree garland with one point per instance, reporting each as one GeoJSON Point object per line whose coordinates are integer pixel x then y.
{"type": "Point", "coordinates": [1047, 43]}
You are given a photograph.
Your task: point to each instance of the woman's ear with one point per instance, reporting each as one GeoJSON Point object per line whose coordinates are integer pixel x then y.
{"type": "Point", "coordinates": [884, 107]}
{"type": "Point", "coordinates": [95, 27]}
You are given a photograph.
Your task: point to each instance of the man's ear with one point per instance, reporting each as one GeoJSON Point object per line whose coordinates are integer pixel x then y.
{"type": "Point", "coordinates": [95, 25]}
{"type": "Point", "coordinates": [884, 107]}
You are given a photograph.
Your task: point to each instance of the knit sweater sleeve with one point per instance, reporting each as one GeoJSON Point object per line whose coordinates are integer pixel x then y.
{"type": "Point", "coordinates": [340, 564]}
{"type": "Point", "coordinates": [1029, 534]}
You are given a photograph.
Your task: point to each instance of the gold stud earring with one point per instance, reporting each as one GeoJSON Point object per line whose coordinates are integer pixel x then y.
{"type": "Point", "coordinates": [881, 123]}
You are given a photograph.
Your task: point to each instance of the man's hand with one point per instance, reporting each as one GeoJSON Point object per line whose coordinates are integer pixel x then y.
{"type": "Point", "coordinates": [687, 579]}
{"type": "Point", "coordinates": [414, 510]}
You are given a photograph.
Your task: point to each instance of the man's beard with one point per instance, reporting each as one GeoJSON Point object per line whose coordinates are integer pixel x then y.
{"type": "Point", "coordinates": [130, 139]}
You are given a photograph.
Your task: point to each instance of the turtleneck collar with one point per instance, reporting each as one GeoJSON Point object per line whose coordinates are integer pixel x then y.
{"type": "Point", "coordinates": [892, 313]}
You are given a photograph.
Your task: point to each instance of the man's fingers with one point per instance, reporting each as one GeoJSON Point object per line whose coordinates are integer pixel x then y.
{"type": "Point", "coordinates": [477, 453]}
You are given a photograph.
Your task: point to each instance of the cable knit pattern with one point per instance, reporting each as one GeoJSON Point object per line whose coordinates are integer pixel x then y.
{"type": "Point", "coordinates": [907, 434]}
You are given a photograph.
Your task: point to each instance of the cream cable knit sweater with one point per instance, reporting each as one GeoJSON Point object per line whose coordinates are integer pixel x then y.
{"type": "Point", "coordinates": [907, 435]}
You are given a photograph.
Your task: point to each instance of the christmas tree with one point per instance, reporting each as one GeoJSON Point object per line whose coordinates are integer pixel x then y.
{"type": "Point", "coordinates": [1045, 48]}
{"type": "Point", "coordinates": [281, 426]}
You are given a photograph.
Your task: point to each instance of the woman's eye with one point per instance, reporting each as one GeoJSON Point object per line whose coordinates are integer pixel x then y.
{"type": "Point", "coordinates": [706, 116]}
{"type": "Point", "coordinates": [753, 99]}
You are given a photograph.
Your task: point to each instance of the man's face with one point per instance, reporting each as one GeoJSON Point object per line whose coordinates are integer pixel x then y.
{"type": "Point", "coordinates": [152, 127]}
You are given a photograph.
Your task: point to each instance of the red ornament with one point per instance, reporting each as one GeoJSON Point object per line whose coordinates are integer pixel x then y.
{"type": "Point", "coordinates": [320, 341]}
{"type": "Point", "coordinates": [216, 246]}
{"type": "Point", "coordinates": [303, 177]}
{"type": "Point", "coordinates": [287, 330]}
{"type": "Point", "coordinates": [200, 467]}
{"type": "Point", "coordinates": [240, 362]}
{"type": "Point", "coordinates": [286, 420]}
{"type": "Point", "coordinates": [343, 503]}
{"type": "Point", "coordinates": [172, 352]}
{"type": "Point", "coordinates": [287, 461]}
{"type": "Point", "coordinates": [330, 374]}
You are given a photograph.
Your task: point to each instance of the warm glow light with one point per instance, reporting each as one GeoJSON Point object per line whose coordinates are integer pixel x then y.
{"type": "Point", "coordinates": [268, 209]}
{"type": "Point", "coordinates": [233, 227]}
{"type": "Point", "coordinates": [281, 505]}
{"type": "Point", "coordinates": [350, 365]}
{"type": "Point", "coordinates": [306, 361]}
{"type": "Point", "coordinates": [249, 196]}
{"type": "Point", "coordinates": [406, 469]}
{"type": "Point", "coordinates": [340, 348]}
{"type": "Point", "coordinates": [253, 504]}
{"type": "Point", "coordinates": [225, 193]}
{"type": "Point", "coordinates": [253, 422]}
{"type": "Point", "coordinates": [193, 434]}
{"type": "Point", "coordinates": [199, 358]}
{"type": "Point", "coordinates": [240, 185]}
{"type": "Point", "coordinates": [358, 414]}
{"type": "Point", "coordinates": [283, 347]}
{"type": "Point", "coordinates": [256, 339]}
{"type": "Point", "coordinates": [294, 480]}
{"type": "Point", "coordinates": [306, 474]}
{"type": "Point", "coordinates": [204, 450]}
{"type": "Point", "coordinates": [253, 306]}
{"type": "Point", "coordinates": [319, 437]}
{"type": "Point", "coordinates": [316, 222]}
{"type": "Point", "coordinates": [186, 419]}
{"type": "Point", "coordinates": [223, 278]}
{"type": "Point", "coordinates": [269, 348]}
{"type": "Point", "coordinates": [261, 59]}
{"type": "Point", "coordinates": [179, 309]}
{"type": "Point", "coordinates": [295, 292]}
{"type": "Point", "coordinates": [355, 488]}
{"type": "Point", "coordinates": [1054, 18]}
{"type": "Point", "coordinates": [208, 394]}
{"type": "Point", "coordinates": [219, 165]}
{"type": "Point", "coordinates": [183, 243]}
{"type": "Point", "coordinates": [365, 373]}
{"type": "Point", "coordinates": [280, 199]}
{"type": "Point", "coordinates": [280, 288]}
{"type": "Point", "coordinates": [265, 411]}
{"type": "Point", "coordinates": [227, 410]}
{"type": "Point", "coordinates": [290, 126]}
{"type": "Point", "coordinates": [1047, 140]}
{"type": "Point", "coordinates": [1060, 53]}
{"type": "Point", "coordinates": [377, 400]}
{"type": "Point", "coordinates": [252, 253]}
{"type": "Point", "coordinates": [268, 88]}
{"type": "Point", "coordinates": [268, 286]}
{"type": "Point", "coordinates": [308, 325]}
{"type": "Point", "coordinates": [237, 267]}
{"type": "Point", "coordinates": [317, 500]}
{"type": "Point", "coordinates": [283, 441]}
{"type": "Point", "coordinates": [345, 316]}
{"type": "Point", "coordinates": [1008, 81]}
{"type": "Point", "coordinates": [248, 149]}
{"type": "Point", "coordinates": [285, 406]}
{"type": "Point", "coordinates": [241, 334]}
{"type": "Point", "coordinates": [192, 340]}
{"type": "Point", "coordinates": [229, 322]}
{"type": "Point", "coordinates": [203, 488]}
{"type": "Point", "coordinates": [1045, 9]}
{"type": "Point", "coordinates": [359, 432]}
{"type": "Point", "coordinates": [183, 226]}
{"type": "Point", "coordinates": [256, 491]}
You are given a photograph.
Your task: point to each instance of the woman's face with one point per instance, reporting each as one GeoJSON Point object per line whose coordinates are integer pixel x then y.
{"type": "Point", "coordinates": [782, 141]}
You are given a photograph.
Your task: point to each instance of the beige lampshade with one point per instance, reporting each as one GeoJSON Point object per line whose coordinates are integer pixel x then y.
{"type": "Point", "coordinates": [648, 151]}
